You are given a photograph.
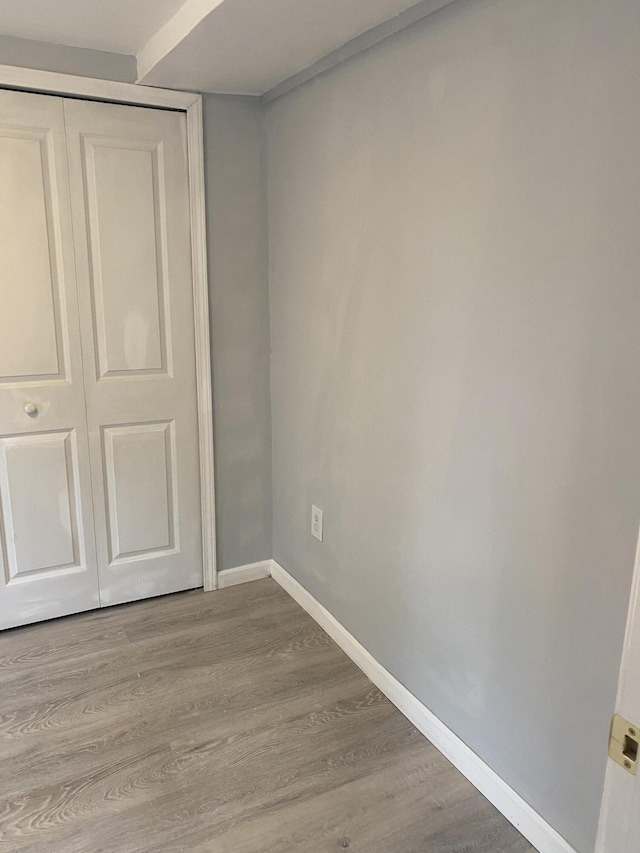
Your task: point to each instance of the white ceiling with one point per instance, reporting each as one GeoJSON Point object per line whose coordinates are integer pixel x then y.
{"type": "Point", "coordinates": [120, 26]}
{"type": "Point", "coordinates": [236, 46]}
{"type": "Point", "coordinates": [249, 46]}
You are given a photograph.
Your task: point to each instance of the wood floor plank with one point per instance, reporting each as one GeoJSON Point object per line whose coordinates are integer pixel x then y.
{"type": "Point", "coordinates": [193, 710]}
{"type": "Point", "coordinates": [394, 794]}
{"type": "Point", "coordinates": [174, 613]}
{"type": "Point", "coordinates": [236, 780]}
{"type": "Point", "coordinates": [216, 722]}
{"type": "Point", "coordinates": [287, 631]}
{"type": "Point", "coordinates": [22, 649]}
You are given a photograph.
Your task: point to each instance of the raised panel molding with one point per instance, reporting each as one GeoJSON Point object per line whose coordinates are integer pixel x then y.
{"type": "Point", "coordinates": [5, 577]}
{"type": "Point", "coordinates": [54, 499]}
{"type": "Point", "coordinates": [140, 471]}
{"type": "Point", "coordinates": [33, 337]}
{"type": "Point", "coordinates": [131, 324]}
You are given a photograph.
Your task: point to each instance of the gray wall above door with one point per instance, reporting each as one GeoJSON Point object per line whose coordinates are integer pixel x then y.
{"type": "Point", "coordinates": [44, 56]}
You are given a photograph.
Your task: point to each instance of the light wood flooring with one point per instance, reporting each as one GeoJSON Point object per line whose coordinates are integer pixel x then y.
{"type": "Point", "coordinates": [225, 722]}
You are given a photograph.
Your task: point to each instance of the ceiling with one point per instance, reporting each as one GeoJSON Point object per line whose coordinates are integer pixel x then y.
{"type": "Point", "coordinates": [249, 46]}
{"type": "Point", "coordinates": [234, 46]}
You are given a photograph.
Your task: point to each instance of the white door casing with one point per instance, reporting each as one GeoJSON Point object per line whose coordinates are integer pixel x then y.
{"type": "Point", "coordinates": [619, 826]}
{"type": "Point", "coordinates": [130, 201]}
{"type": "Point", "coordinates": [47, 548]}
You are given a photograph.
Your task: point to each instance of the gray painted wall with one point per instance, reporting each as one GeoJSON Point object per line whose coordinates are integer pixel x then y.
{"type": "Point", "coordinates": [238, 273]}
{"type": "Point", "coordinates": [454, 256]}
{"type": "Point", "coordinates": [44, 56]}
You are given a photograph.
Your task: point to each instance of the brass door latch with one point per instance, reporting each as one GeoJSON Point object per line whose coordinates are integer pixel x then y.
{"type": "Point", "coordinates": [623, 744]}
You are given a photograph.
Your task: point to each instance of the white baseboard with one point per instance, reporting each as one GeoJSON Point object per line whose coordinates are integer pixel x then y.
{"type": "Point", "coordinates": [527, 821]}
{"type": "Point", "coordinates": [244, 574]}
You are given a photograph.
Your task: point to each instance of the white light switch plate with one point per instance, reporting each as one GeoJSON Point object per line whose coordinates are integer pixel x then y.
{"type": "Point", "coordinates": [316, 523]}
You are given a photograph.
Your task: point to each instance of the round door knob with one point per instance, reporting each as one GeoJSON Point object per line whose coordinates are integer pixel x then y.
{"type": "Point", "coordinates": [31, 409]}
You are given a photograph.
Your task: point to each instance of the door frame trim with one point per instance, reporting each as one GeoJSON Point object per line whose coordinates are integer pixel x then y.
{"type": "Point", "coordinates": [67, 85]}
{"type": "Point", "coordinates": [619, 793]}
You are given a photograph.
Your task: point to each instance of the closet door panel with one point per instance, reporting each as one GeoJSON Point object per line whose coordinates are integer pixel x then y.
{"type": "Point", "coordinates": [47, 547]}
{"type": "Point", "coordinates": [129, 187]}
{"type": "Point", "coordinates": [140, 471]}
{"type": "Point", "coordinates": [128, 253]}
{"type": "Point", "coordinates": [31, 334]}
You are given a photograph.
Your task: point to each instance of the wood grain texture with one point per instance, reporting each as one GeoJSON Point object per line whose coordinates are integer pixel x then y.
{"type": "Point", "coordinates": [226, 722]}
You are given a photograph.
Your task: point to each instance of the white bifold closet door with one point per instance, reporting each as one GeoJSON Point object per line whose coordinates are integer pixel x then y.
{"type": "Point", "coordinates": [47, 544]}
{"type": "Point", "coordinates": [99, 468]}
{"type": "Point", "coordinates": [130, 201]}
